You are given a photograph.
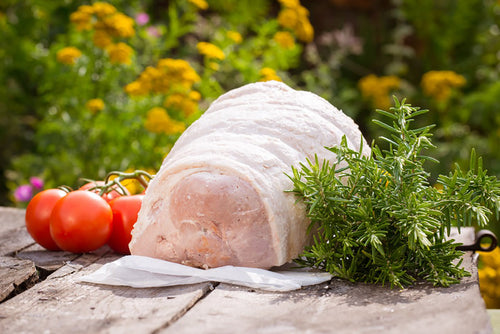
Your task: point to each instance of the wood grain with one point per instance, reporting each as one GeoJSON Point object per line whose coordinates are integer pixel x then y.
{"type": "Point", "coordinates": [63, 304]}
{"type": "Point", "coordinates": [13, 234]}
{"type": "Point", "coordinates": [343, 307]}
{"type": "Point", "coordinates": [15, 275]}
{"type": "Point", "coordinates": [45, 260]}
{"type": "Point", "coordinates": [339, 307]}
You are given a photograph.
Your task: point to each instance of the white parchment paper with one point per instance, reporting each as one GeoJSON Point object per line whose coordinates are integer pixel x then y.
{"type": "Point", "coordinates": [143, 272]}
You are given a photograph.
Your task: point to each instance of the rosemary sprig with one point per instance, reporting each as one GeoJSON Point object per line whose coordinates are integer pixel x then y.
{"type": "Point", "coordinates": [377, 219]}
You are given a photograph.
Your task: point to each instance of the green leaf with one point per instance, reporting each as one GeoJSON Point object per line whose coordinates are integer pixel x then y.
{"type": "Point", "coordinates": [385, 126]}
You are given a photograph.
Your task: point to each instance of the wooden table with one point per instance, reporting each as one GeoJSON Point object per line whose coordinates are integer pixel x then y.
{"type": "Point", "coordinates": [40, 293]}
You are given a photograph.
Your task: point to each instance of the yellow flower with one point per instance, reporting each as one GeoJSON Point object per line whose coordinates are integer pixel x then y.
{"type": "Point", "coordinates": [102, 9]}
{"type": "Point", "coordinates": [210, 50]}
{"type": "Point", "coordinates": [284, 39]}
{"type": "Point", "coordinates": [136, 88]}
{"type": "Point", "coordinates": [201, 4]}
{"type": "Point", "coordinates": [378, 89]}
{"type": "Point", "coordinates": [68, 55]}
{"type": "Point", "coordinates": [440, 84]}
{"type": "Point", "coordinates": [235, 36]}
{"type": "Point", "coordinates": [118, 25]}
{"type": "Point", "coordinates": [268, 74]}
{"type": "Point", "coordinates": [174, 65]}
{"type": "Point", "coordinates": [304, 31]}
{"type": "Point", "coordinates": [95, 105]}
{"type": "Point", "coordinates": [120, 53]}
{"type": "Point", "coordinates": [489, 277]}
{"type": "Point", "coordinates": [108, 21]}
{"type": "Point", "coordinates": [288, 18]}
{"type": "Point", "coordinates": [170, 75]}
{"type": "Point", "coordinates": [102, 39]}
{"type": "Point", "coordinates": [178, 72]}
{"type": "Point", "coordinates": [182, 102]}
{"type": "Point", "coordinates": [290, 3]}
{"type": "Point", "coordinates": [86, 9]}
{"type": "Point", "coordinates": [194, 95]}
{"type": "Point", "coordinates": [491, 259]}
{"type": "Point", "coordinates": [82, 18]}
{"type": "Point", "coordinates": [153, 80]}
{"type": "Point", "coordinates": [296, 18]}
{"type": "Point", "coordinates": [158, 121]}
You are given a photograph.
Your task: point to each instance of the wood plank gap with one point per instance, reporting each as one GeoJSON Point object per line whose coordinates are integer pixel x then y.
{"type": "Point", "coordinates": [46, 261]}
{"type": "Point", "coordinates": [17, 251]}
{"type": "Point", "coordinates": [72, 266]}
{"type": "Point", "coordinates": [205, 292]}
{"type": "Point", "coordinates": [39, 274]}
{"type": "Point", "coordinates": [16, 276]}
{"type": "Point", "coordinates": [64, 304]}
{"type": "Point", "coordinates": [20, 288]}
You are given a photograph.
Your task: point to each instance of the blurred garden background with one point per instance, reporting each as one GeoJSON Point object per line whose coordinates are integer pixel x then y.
{"type": "Point", "coordinates": [89, 87]}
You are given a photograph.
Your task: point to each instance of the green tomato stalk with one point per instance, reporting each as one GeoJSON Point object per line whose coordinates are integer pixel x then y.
{"type": "Point", "coordinates": [113, 181]}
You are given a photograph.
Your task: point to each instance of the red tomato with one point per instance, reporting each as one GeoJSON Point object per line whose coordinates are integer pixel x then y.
{"type": "Point", "coordinates": [107, 196]}
{"type": "Point", "coordinates": [81, 222]}
{"type": "Point", "coordinates": [38, 216]}
{"type": "Point", "coordinates": [125, 210]}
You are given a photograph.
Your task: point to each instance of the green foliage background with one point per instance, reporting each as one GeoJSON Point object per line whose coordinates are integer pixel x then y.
{"type": "Point", "coordinates": [46, 131]}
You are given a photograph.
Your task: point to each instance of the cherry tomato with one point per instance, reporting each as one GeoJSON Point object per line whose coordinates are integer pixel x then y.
{"type": "Point", "coordinates": [125, 210]}
{"type": "Point", "coordinates": [81, 222]}
{"type": "Point", "coordinates": [38, 216]}
{"type": "Point", "coordinates": [107, 196]}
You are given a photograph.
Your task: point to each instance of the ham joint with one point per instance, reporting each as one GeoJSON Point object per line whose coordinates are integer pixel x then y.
{"type": "Point", "coordinates": [220, 196]}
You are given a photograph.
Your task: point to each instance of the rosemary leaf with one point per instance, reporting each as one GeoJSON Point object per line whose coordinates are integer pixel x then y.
{"type": "Point", "coordinates": [377, 219]}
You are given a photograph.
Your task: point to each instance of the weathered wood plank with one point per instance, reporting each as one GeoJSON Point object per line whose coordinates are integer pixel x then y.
{"type": "Point", "coordinates": [14, 273]}
{"type": "Point", "coordinates": [63, 304]}
{"type": "Point", "coordinates": [13, 233]}
{"type": "Point", "coordinates": [45, 260]}
{"type": "Point", "coordinates": [16, 241]}
{"type": "Point", "coordinates": [342, 307]}
{"type": "Point", "coordinates": [20, 273]}
{"type": "Point", "coordinates": [10, 218]}
{"type": "Point", "coordinates": [338, 308]}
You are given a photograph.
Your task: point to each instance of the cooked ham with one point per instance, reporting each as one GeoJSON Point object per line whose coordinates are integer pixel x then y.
{"type": "Point", "coordinates": [220, 196]}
